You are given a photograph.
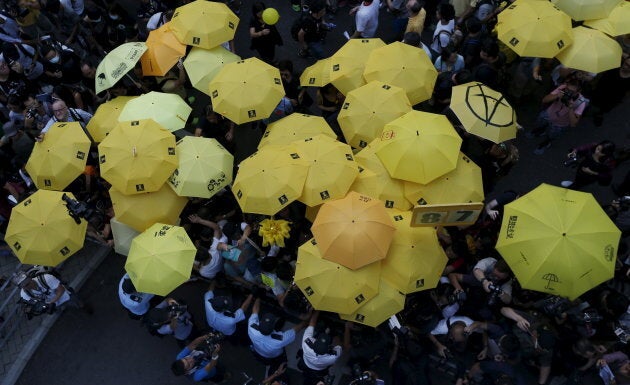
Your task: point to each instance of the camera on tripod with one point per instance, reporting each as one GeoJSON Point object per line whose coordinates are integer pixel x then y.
{"type": "Point", "coordinates": [77, 209]}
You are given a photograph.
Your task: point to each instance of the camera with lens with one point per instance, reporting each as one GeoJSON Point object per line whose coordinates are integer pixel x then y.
{"type": "Point", "coordinates": [34, 308]}
{"type": "Point", "coordinates": [568, 97]}
{"type": "Point", "coordinates": [623, 334]}
{"type": "Point", "coordinates": [495, 294]}
{"type": "Point", "coordinates": [176, 310]}
{"type": "Point", "coordinates": [31, 113]}
{"type": "Point", "coordinates": [572, 161]}
{"type": "Point", "coordinates": [553, 306]}
{"type": "Point", "coordinates": [361, 377]}
{"type": "Point", "coordinates": [77, 209]}
{"type": "Point", "coordinates": [211, 341]}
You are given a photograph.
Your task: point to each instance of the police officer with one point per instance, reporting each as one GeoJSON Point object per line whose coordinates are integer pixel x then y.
{"type": "Point", "coordinates": [318, 352]}
{"type": "Point", "coordinates": [267, 342]}
{"type": "Point", "coordinates": [220, 314]}
{"type": "Point", "coordinates": [136, 303]}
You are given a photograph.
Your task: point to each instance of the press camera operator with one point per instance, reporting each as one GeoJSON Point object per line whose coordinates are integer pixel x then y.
{"type": "Point", "coordinates": [170, 318]}
{"type": "Point", "coordinates": [198, 361]}
{"type": "Point", "coordinates": [319, 351]}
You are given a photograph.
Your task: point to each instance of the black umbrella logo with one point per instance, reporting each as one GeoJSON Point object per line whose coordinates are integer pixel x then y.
{"type": "Point", "coordinates": [101, 78]}
{"type": "Point", "coordinates": [550, 278]}
{"type": "Point", "coordinates": [488, 107]}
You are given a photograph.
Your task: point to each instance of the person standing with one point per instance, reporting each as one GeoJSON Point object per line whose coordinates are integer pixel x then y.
{"type": "Point", "coordinates": [62, 113]}
{"type": "Point", "coordinates": [366, 18]}
{"type": "Point", "coordinates": [596, 165]}
{"type": "Point", "coordinates": [136, 303]}
{"type": "Point", "coordinates": [219, 313]}
{"type": "Point", "coordinates": [264, 37]}
{"type": "Point", "coordinates": [312, 31]}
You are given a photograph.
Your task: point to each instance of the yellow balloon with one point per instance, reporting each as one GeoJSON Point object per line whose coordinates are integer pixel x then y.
{"type": "Point", "coordinates": [270, 16]}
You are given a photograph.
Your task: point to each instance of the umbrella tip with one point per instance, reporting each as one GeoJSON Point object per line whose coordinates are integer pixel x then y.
{"type": "Point", "coordinates": [134, 151]}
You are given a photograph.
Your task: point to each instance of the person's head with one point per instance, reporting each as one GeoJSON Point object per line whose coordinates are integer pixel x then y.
{"type": "Point", "coordinates": [456, 332]}
{"type": "Point", "coordinates": [15, 103]}
{"type": "Point", "coordinates": [60, 110]}
{"type": "Point", "coordinates": [5, 70]}
{"type": "Point", "coordinates": [50, 54]}
{"type": "Point", "coordinates": [605, 148]}
{"type": "Point", "coordinates": [489, 50]}
{"type": "Point", "coordinates": [445, 12]}
{"type": "Point", "coordinates": [257, 9]}
{"type": "Point", "coordinates": [181, 367]}
{"type": "Point", "coordinates": [462, 77]}
{"type": "Point", "coordinates": [93, 15]}
{"type": "Point", "coordinates": [318, 9]}
{"type": "Point", "coordinates": [88, 68]}
{"type": "Point", "coordinates": [573, 83]}
{"type": "Point", "coordinates": [473, 25]}
{"type": "Point", "coordinates": [232, 230]}
{"type": "Point", "coordinates": [267, 324]}
{"type": "Point", "coordinates": [286, 70]}
{"type": "Point", "coordinates": [221, 303]}
{"type": "Point", "coordinates": [584, 348]}
{"type": "Point", "coordinates": [61, 92]}
{"type": "Point", "coordinates": [321, 344]}
{"type": "Point", "coordinates": [414, 6]}
{"type": "Point", "coordinates": [269, 264]}
{"type": "Point", "coordinates": [501, 270]}
{"type": "Point", "coordinates": [412, 38]}
{"type": "Point", "coordinates": [510, 346]}
{"type": "Point", "coordinates": [449, 54]}
{"type": "Point", "coordinates": [614, 304]}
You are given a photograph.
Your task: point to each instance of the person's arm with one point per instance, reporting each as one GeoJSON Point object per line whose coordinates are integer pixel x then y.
{"type": "Point", "coordinates": [256, 307]}
{"type": "Point", "coordinates": [573, 117]}
{"type": "Point", "coordinates": [281, 369]}
{"type": "Point", "coordinates": [553, 95]}
{"type": "Point", "coordinates": [194, 218]}
{"type": "Point", "coordinates": [198, 131]}
{"type": "Point", "coordinates": [210, 365]}
{"type": "Point", "coordinates": [59, 291]}
{"type": "Point", "coordinates": [521, 322]}
{"type": "Point", "coordinates": [347, 343]}
{"type": "Point", "coordinates": [300, 326]}
{"type": "Point", "coordinates": [254, 34]}
{"type": "Point", "coordinates": [313, 320]}
{"type": "Point", "coordinates": [440, 349]}
{"type": "Point", "coordinates": [543, 374]}
{"type": "Point", "coordinates": [246, 232]}
{"type": "Point", "coordinates": [229, 135]}
{"type": "Point", "coordinates": [247, 302]}
{"type": "Point", "coordinates": [301, 34]}
{"type": "Point", "coordinates": [455, 279]}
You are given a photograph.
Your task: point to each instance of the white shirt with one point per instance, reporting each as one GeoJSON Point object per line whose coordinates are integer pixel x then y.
{"type": "Point", "coordinates": [155, 21]}
{"type": "Point", "coordinates": [317, 361]}
{"type": "Point", "coordinates": [444, 38]}
{"type": "Point", "coordinates": [137, 303]}
{"type": "Point", "coordinates": [43, 294]}
{"type": "Point", "coordinates": [219, 321]}
{"type": "Point", "coordinates": [72, 112]}
{"type": "Point", "coordinates": [216, 261]}
{"type": "Point", "coordinates": [442, 327]}
{"type": "Point", "coordinates": [183, 327]}
{"type": "Point", "coordinates": [367, 19]}
{"type": "Point", "coordinates": [76, 6]}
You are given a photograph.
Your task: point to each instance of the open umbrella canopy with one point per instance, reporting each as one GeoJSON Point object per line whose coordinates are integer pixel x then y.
{"type": "Point", "coordinates": [246, 90]}
{"type": "Point", "coordinates": [60, 158]}
{"type": "Point", "coordinates": [163, 52]}
{"type": "Point", "coordinates": [348, 63]}
{"type": "Point", "coordinates": [205, 167]}
{"type": "Point", "coordinates": [204, 24]}
{"type": "Point", "coordinates": [295, 127]}
{"type": "Point", "coordinates": [140, 211]}
{"type": "Point", "coordinates": [404, 66]}
{"type": "Point", "coordinates": [137, 156]}
{"type": "Point", "coordinates": [42, 232]}
{"type": "Point", "coordinates": [374, 180]}
{"type": "Point", "coordinates": [462, 185]}
{"type": "Point", "coordinates": [591, 51]}
{"type": "Point", "coordinates": [419, 147]}
{"type": "Point", "coordinates": [415, 260]}
{"type": "Point", "coordinates": [354, 231]}
{"type": "Point", "coordinates": [105, 117]}
{"type": "Point", "coordinates": [331, 172]}
{"type": "Point", "coordinates": [270, 179]}
{"type": "Point", "coordinates": [202, 65]}
{"type": "Point", "coordinates": [316, 75]}
{"type": "Point", "coordinates": [160, 259]}
{"type": "Point", "coordinates": [558, 241]}
{"type": "Point", "coordinates": [169, 110]}
{"type": "Point", "coordinates": [123, 235]}
{"type": "Point", "coordinates": [534, 28]}
{"type": "Point", "coordinates": [616, 23]}
{"type": "Point", "coordinates": [586, 9]}
{"type": "Point", "coordinates": [329, 286]}
{"type": "Point", "coordinates": [374, 312]}
{"type": "Point", "coordinates": [484, 112]}
{"type": "Point", "coordinates": [368, 108]}
{"type": "Point", "coordinates": [117, 63]}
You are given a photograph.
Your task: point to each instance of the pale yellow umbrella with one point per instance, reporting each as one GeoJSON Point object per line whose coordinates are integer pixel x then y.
{"type": "Point", "coordinates": [169, 110]}
{"type": "Point", "coordinates": [586, 9]}
{"type": "Point", "coordinates": [202, 65]}
{"type": "Point", "coordinates": [368, 108]}
{"type": "Point", "coordinates": [123, 235]}
{"type": "Point", "coordinates": [348, 63]}
{"type": "Point", "coordinates": [616, 23]}
{"type": "Point", "coordinates": [295, 127]}
{"type": "Point", "coordinates": [591, 51]}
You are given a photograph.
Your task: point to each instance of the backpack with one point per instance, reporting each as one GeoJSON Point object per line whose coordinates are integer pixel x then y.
{"type": "Point", "coordinates": [297, 25]}
{"type": "Point", "coordinates": [37, 271]}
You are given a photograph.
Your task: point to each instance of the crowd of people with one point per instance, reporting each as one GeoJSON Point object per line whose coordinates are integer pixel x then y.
{"type": "Point", "coordinates": [477, 326]}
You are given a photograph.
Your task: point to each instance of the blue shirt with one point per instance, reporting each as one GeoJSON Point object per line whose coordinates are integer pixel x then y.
{"type": "Point", "coordinates": [198, 373]}
{"type": "Point", "coordinates": [268, 346]}
{"type": "Point", "coordinates": [219, 321]}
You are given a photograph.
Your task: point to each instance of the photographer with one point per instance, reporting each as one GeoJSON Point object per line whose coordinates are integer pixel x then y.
{"type": "Point", "coordinates": [198, 365]}
{"type": "Point", "coordinates": [595, 164]}
{"type": "Point", "coordinates": [136, 303]}
{"type": "Point", "coordinates": [170, 317]}
{"type": "Point", "coordinates": [318, 352]}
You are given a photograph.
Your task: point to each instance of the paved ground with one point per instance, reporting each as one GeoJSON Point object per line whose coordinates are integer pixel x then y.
{"type": "Point", "coordinates": [108, 348]}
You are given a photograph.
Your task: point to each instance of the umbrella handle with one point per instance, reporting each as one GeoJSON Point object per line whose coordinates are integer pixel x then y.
{"type": "Point", "coordinates": [133, 151]}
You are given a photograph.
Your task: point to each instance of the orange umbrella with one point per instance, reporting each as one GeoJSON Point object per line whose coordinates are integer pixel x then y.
{"type": "Point", "coordinates": [163, 52]}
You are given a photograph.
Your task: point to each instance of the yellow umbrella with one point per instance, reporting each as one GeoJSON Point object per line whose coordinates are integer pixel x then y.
{"type": "Point", "coordinates": [163, 52]}
{"type": "Point", "coordinates": [41, 232]}
{"type": "Point", "coordinates": [140, 211]}
{"type": "Point", "coordinates": [316, 75]}
{"type": "Point", "coordinates": [295, 127]}
{"type": "Point", "coordinates": [374, 180]}
{"type": "Point", "coordinates": [415, 260]}
{"type": "Point", "coordinates": [117, 63]}
{"type": "Point", "coordinates": [558, 241]}
{"type": "Point", "coordinates": [169, 110]}
{"type": "Point", "coordinates": [484, 112]}
{"type": "Point", "coordinates": [404, 66]}
{"type": "Point", "coordinates": [331, 287]}
{"type": "Point", "coordinates": [202, 65]}
{"type": "Point", "coordinates": [348, 63]}
{"type": "Point", "coordinates": [534, 28]}
{"type": "Point", "coordinates": [591, 51]}
{"type": "Point", "coordinates": [586, 9]}
{"type": "Point", "coordinates": [368, 108]}
{"type": "Point", "coordinates": [123, 235]}
{"type": "Point", "coordinates": [331, 172]}
{"type": "Point", "coordinates": [205, 167]}
{"type": "Point", "coordinates": [462, 185]}
{"type": "Point", "coordinates": [311, 212]}
{"type": "Point", "coordinates": [60, 158]}
{"type": "Point", "coordinates": [246, 90]}
{"type": "Point", "coordinates": [374, 312]}
{"type": "Point", "coordinates": [354, 231]}
{"type": "Point", "coordinates": [101, 123]}
{"type": "Point", "coordinates": [616, 23]}
{"type": "Point", "coordinates": [204, 24]}
{"type": "Point", "coordinates": [160, 259]}
{"type": "Point", "coordinates": [419, 147]}
{"type": "Point", "coordinates": [137, 156]}
{"type": "Point", "coordinates": [270, 179]}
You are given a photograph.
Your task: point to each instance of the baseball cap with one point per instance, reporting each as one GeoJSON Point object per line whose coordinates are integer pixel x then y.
{"type": "Point", "coordinates": [322, 344]}
{"type": "Point", "coordinates": [221, 303]}
{"type": "Point", "coordinates": [267, 324]}
{"type": "Point", "coordinates": [128, 286]}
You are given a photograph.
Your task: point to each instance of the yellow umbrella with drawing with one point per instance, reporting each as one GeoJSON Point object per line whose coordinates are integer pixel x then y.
{"type": "Point", "coordinates": [484, 112]}
{"type": "Point", "coordinates": [295, 127]}
{"type": "Point", "coordinates": [202, 65]}
{"type": "Point", "coordinates": [415, 260]}
{"type": "Point", "coordinates": [101, 123]}
{"type": "Point", "coordinates": [316, 75]}
{"type": "Point", "coordinates": [558, 241]}
{"type": "Point", "coordinates": [591, 51]}
{"type": "Point", "coordinates": [374, 312]}
{"type": "Point", "coordinates": [462, 185]}
{"type": "Point", "coordinates": [42, 232]}
{"type": "Point", "coordinates": [331, 171]}
{"type": "Point", "coordinates": [368, 108]}
{"type": "Point", "coordinates": [404, 66]}
{"type": "Point", "coordinates": [117, 63]}
{"type": "Point", "coordinates": [204, 24]}
{"type": "Point", "coordinates": [163, 52]}
{"type": "Point", "coordinates": [616, 23]}
{"type": "Point", "coordinates": [348, 63]}
{"type": "Point", "coordinates": [60, 158]}
{"type": "Point", "coordinates": [169, 110]}
{"type": "Point", "coordinates": [586, 9]}
{"type": "Point", "coordinates": [329, 286]}
{"type": "Point", "coordinates": [270, 179]}
{"type": "Point", "coordinates": [246, 90]}
{"type": "Point", "coordinates": [160, 259]}
{"type": "Point", "coordinates": [419, 147]}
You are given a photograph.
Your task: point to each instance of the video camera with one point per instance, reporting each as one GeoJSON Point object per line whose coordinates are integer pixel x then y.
{"type": "Point", "coordinates": [34, 308]}
{"type": "Point", "coordinates": [568, 97]}
{"type": "Point", "coordinates": [176, 310]}
{"type": "Point", "coordinates": [553, 306]}
{"type": "Point", "coordinates": [77, 209]}
{"type": "Point", "coordinates": [210, 342]}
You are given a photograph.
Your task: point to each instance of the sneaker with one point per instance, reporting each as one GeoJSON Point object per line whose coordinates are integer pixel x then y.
{"type": "Point", "coordinates": [542, 148]}
{"type": "Point", "coordinates": [566, 183]}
